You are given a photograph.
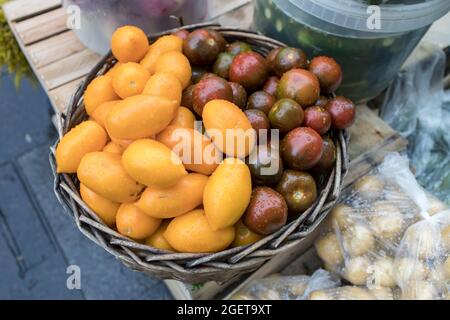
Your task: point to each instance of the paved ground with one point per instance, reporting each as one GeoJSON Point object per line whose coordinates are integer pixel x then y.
{"type": "Point", "coordinates": [38, 240]}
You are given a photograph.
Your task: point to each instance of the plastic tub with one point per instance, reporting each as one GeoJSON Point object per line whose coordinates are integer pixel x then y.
{"type": "Point", "coordinates": [99, 19]}
{"type": "Point", "coordinates": [369, 54]}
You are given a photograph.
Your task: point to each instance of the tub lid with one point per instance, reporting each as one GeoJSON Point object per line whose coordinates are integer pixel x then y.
{"type": "Point", "coordinates": [390, 16]}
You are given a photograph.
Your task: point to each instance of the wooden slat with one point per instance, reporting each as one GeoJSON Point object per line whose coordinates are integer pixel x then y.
{"type": "Point", "coordinates": [365, 163]}
{"type": "Point", "coordinates": [27, 56]}
{"type": "Point", "coordinates": [19, 9]}
{"type": "Point", "coordinates": [42, 26]}
{"type": "Point", "coordinates": [370, 140]}
{"type": "Point", "coordinates": [367, 132]}
{"type": "Point", "coordinates": [60, 96]}
{"type": "Point", "coordinates": [55, 48]}
{"type": "Point", "coordinates": [68, 69]}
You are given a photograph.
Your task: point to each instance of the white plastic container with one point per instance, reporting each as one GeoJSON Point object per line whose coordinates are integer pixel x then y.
{"type": "Point", "coordinates": [99, 19]}
{"type": "Point", "coordinates": [370, 42]}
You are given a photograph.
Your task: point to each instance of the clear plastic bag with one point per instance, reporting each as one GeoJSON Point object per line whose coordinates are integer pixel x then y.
{"type": "Point", "coordinates": [417, 106]}
{"type": "Point", "coordinates": [422, 259]}
{"type": "Point", "coordinates": [385, 227]}
{"type": "Point", "coordinates": [353, 293]}
{"type": "Point", "coordinates": [278, 287]}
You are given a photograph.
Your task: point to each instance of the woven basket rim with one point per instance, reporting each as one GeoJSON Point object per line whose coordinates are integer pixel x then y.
{"type": "Point", "coordinates": [192, 267]}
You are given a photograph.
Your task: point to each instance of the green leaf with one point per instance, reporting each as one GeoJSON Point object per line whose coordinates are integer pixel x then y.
{"type": "Point", "coordinates": [197, 286]}
{"type": "Point", "coordinates": [10, 54]}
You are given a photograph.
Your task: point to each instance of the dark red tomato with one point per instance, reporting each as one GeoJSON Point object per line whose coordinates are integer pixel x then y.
{"type": "Point", "coordinates": [285, 115]}
{"type": "Point", "coordinates": [208, 75]}
{"type": "Point", "coordinates": [271, 86]}
{"type": "Point", "coordinates": [249, 69]}
{"type": "Point", "coordinates": [198, 73]}
{"type": "Point", "coordinates": [222, 65]}
{"type": "Point", "coordinates": [271, 57]}
{"type": "Point", "coordinates": [186, 100]}
{"type": "Point", "coordinates": [201, 48]}
{"type": "Point", "coordinates": [267, 211]}
{"type": "Point", "coordinates": [239, 94]}
{"type": "Point", "coordinates": [328, 158]}
{"type": "Point", "coordinates": [258, 119]}
{"type": "Point", "coordinates": [328, 71]}
{"type": "Point", "coordinates": [317, 118]}
{"type": "Point", "coordinates": [302, 148]}
{"type": "Point", "coordinates": [208, 89]}
{"type": "Point", "coordinates": [288, 59]}
{"type": "Point", "coordinates": [265, 164]}
{"type": "Point", "coordinates": [220, 39]}
{"type": "Point", "coordinates": [261, 100]}
{"type": "Point", "coordinates": [342, 111]}
{"type": "Point", "coordinates": [299, 85]}
{"type": "Point", "coordinates": [299, 189]}
{"type": "Point", "coordinates": [238, 47]}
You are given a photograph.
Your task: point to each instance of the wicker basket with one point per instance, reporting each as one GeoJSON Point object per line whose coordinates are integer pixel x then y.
{"type": "Point", "coordinates": [200, 267]}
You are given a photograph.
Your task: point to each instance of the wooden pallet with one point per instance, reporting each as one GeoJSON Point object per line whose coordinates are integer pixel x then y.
{"type": "Point", "coordinates": [59, 60]}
